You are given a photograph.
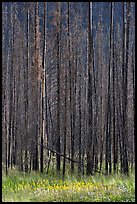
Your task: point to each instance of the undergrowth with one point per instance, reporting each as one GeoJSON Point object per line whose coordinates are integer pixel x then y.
{"type": "Point", "coordinates": [37, 187]}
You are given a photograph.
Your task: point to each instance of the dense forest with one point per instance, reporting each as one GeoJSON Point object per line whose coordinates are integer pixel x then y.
{"type": "Point", "coordinates": [68, 87]}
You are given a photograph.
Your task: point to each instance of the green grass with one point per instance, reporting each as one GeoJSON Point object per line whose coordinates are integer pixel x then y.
{"type": "Point", "coordinates": [36, 187]}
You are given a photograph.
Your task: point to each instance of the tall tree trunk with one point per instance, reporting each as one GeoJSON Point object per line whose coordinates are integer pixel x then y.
{"type": "Point", "coordinates": [125, 73]}
{"type": "Point", "coordinates": [58, 87]}
{"type": "Point", "coordinates": [65, 123]}
{"type": "Point", "coordinates": [26, 92]}
{"type": "Point", "coordinates": [44, 95]}
{"type": "Point", "coordinates": [90, 94]}
{"type": "Point", "coordinates": [38, 88]}
{"type": "Point", "coordinates": [109, 111]}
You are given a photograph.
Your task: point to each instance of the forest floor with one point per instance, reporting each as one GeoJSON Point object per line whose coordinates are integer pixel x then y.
{"type": "Point", "coordinates": [36, 187]}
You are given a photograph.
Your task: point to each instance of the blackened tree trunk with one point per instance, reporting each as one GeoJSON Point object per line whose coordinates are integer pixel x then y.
{"type": "Point", "coordinates": [90, 66]}
{"type": "Point", "coordinates": [10, 139]}
{"type": "Point", "coordinates": [26, 92]}
{"type": "Point", "coordinates": [58, 88]}
{"type": "Point", "coordinates": [79, 139]}
{"type": "Point", "coordinates": [109, 111]}
{"type": "Point", "coordinates": [44, 96]}
{"type": "Point", "coordinates": [38, 88]}
{"type": "Point", "coordinates": [125, 72]}
{"type": "Point", "coordinates": [65, 123]}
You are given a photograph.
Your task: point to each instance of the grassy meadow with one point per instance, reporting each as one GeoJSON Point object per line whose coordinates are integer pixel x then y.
{"type": "Point", "coordinates": [36, 187]}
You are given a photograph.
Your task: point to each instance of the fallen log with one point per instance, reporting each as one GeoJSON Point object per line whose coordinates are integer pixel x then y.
{"type": "Point", "coordinates": [68, 158]}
